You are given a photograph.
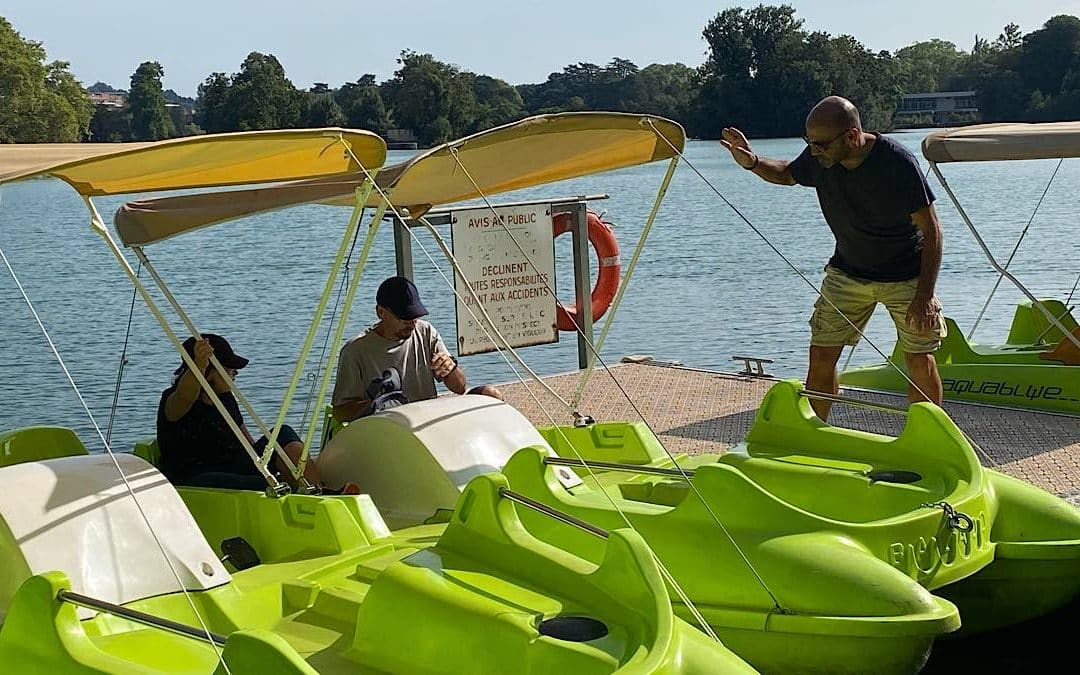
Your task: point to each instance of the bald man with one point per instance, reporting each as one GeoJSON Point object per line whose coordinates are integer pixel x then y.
{"type": "Point", "coordinates": [888, 242]}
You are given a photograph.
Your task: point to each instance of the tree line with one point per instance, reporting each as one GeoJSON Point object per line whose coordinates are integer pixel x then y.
{"type": "Point", "coordinates": [762, 72]}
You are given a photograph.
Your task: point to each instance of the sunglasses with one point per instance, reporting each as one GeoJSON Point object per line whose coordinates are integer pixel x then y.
{"type": "Point", "coordinates": [822, 146]}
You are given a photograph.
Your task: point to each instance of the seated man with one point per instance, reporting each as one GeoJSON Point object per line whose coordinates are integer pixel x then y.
{"type": "Point", "coordinates": [399, 341]}
{"type": "Point", "coordinates": [198, 448]}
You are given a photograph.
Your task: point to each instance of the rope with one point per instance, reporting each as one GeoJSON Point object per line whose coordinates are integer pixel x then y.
{"type": "Point", "coordinates": [112, 456]}
{"type": "Point", "coordinates": [1001, 275]}
{"type": "Point", "coordinates": [123, 361]}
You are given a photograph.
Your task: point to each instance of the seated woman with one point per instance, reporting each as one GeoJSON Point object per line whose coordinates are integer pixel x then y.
{"type": "Point", "coordinates": [198, 448]}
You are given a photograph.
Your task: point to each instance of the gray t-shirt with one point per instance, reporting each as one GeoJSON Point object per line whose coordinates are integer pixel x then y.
{"type": "Point", "coordinates": [365, 357]}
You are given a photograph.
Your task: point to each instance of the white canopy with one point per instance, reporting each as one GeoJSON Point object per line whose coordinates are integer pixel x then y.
{"type": "Point", "coordinates": [1003, 142]}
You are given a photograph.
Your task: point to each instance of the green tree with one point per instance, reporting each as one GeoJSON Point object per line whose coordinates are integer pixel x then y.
{"type": "Point", "coordinates": [150, 121]}
{"type": "Point", "coordinates": [1049, 53]}
{"type": "Point", "coordinates": [1010, 38]}
{"type": "Point", "coordinates": [39, 103]}
{"type": "Point", "coordinates": [262, 97]}
{"type": "Point", "coordinates": [572, 89]}
{"type": "Point", "coordinates": [749, 52]}
{"type": "Point", "coordinates": [496, 103]}
{"type": "Point", "coordinates": [321, 110]}
{"type": "Point", "coordinates": [434, 99]}
{"type": "Point", "coordinates": [928, 66]}
{"type": "Point", "coordinates": [668, 90]}
{"type": "Point", "coordinates": [110, 124]}
{"type": "Point", "coordinates": [763, 73]}
{"type": "Point", "coordinates": [363, 105]}
{"type": "Point", "coordinates": [212, 105]}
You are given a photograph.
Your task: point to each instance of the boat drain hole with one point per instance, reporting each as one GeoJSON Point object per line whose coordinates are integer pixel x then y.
{"type": "Point", "coordinates": [894, 476]}
{"type": "Point", "coordinates": [573, 628]}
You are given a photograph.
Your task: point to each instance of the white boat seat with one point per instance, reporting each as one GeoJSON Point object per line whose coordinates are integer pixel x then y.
{"type": "Point", "coordinates": [75, 515]}
{"type": "Point", "coordinates": [414, 459]}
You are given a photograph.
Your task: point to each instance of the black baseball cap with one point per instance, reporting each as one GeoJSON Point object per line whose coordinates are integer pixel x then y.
{"type": "Point", "coordinates": [222, 350]}
{"type": "Point", "coordinates": [399, 295]}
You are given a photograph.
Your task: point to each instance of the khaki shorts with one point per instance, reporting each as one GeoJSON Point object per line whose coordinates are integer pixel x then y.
{"type": "Point", "coordinates": [857, 298]}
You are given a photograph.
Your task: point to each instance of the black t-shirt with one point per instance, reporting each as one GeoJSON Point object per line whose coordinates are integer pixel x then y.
{"type": "Point", "coordinates": [869, 210]}
{"type": "Point", "coordinates": [200, 440]}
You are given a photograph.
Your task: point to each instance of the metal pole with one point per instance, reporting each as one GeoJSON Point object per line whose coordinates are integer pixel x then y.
{"type": "Point", "coordinates": [358, 211]}
{"type": "Point", "coordinates": [616, 466]}
{"type": "Point", "coordinates": [179, 309]}
{"type": "Point", "coordinates": [275, 487]}
{"type": "Point", "coordinates": [360, 195]}
{"type": "Point", "coordinates": [434, 214]}
{"type": "Point", "coordinates": [403, 249]}
{"type": "Point", "coordinates": [507, 493]}
{"type": "Point", "coordinates": [625, 281]}
{"type": "Point", "coordinates": [139, 617]}
{"type": "Point", "coordinates": [339, 332]}
{"type": "Point", "coordinates": [582, 283]}
{"type": "Point", "coordinates": [835, 398]}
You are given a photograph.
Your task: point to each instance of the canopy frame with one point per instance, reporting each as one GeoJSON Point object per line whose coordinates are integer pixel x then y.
{"type": "Point", "coordinates": [274, 487]}
{"type": "Point", "coordinates": [1003, 271]}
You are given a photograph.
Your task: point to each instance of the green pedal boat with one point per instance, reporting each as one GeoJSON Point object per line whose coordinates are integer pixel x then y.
{"type": "Point", "coordinates": [808, 548]}
{"type": "Point", "coordinates": [1038, 367]}
{"type": "Point", "coordinates": [324, 586]}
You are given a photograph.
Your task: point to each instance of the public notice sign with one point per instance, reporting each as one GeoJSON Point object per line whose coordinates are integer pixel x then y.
{"type": "Point", "coordinates": [512, 286]}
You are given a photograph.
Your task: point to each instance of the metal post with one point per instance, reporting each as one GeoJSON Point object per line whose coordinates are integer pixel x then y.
{"type": "Point", "coordinates": [582, 282]}
{"type": "Point", "coordinates": [618, 466]}
{"type": "Point", "coordinates": [403, 249]}
{"type": "Point", "coordinates": [518, 498]}
{"type": "Point", "coordinates": [140, 617]}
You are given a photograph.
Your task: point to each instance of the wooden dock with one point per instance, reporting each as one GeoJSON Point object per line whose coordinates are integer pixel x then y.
{"type": "Point", "coordinates": [697, 411]}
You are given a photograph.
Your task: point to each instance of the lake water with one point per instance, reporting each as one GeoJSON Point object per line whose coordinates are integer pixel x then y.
{"type": "Point", "coordinates": [706, 288]}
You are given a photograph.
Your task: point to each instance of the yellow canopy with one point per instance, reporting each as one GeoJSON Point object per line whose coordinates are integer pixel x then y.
{"type": "Point", "coordinates": [1001, 142]}
{"type": "Point", "coordinates": [197, 161]}
{"type": "Point", "coordinates": [531, 152]}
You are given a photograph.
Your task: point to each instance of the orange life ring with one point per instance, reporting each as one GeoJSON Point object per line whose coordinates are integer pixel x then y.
{"type": "Point", "coordinates": [603, 242]}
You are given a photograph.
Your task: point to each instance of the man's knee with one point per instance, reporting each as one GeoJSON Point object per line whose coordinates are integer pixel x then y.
{"type": "Point", "coordinates": [824, 358]}
{"type": "Point", "coordinates": [487, 390]}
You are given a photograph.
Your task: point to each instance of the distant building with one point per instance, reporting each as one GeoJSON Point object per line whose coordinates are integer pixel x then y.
{"type": "Point", "coordinates": [401, 139]}
{"type": "Point", "coordinates": [110, 99]}
{"type": "Point", "coordinates": [941, 105]}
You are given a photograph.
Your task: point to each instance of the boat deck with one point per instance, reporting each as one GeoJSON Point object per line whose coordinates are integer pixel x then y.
{"type": "Point", "coordinates": [697, 411]}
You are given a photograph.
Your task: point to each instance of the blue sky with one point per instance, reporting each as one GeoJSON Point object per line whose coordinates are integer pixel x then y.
{"type": "Point", "coordinates": [336, 41]}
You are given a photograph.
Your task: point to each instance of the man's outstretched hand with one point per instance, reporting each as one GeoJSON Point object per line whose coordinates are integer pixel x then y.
{"type": "Point", "coordinates": [734, 140]}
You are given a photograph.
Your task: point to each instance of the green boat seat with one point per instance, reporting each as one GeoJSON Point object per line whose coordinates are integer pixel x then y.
{"type": "Point", "coordinates": [147, 449]}
{"type": "Point", "coordinates": [31, 444]}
